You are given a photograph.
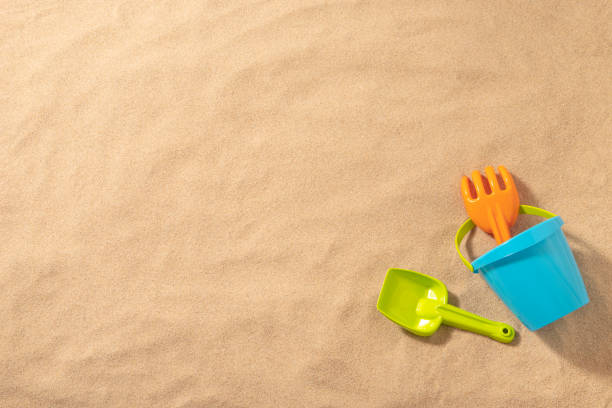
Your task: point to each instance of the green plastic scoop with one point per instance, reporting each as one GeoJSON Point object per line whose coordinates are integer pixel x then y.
{"type": "Point", "coordinates": [417, 302]}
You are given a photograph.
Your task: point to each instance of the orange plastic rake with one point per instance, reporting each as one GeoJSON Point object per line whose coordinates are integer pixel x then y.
{"type": "Point", "coordinates": [491, 202]}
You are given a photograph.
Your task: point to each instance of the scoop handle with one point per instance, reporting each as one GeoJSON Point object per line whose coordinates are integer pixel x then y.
{"type": "Point", "coordinates": [453, 316]}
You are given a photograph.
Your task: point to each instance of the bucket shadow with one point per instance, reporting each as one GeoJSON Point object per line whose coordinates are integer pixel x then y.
{"type": "Point", "coordinates": [583, 336]}
{"type": "Point", "coordinates": [444, 332]}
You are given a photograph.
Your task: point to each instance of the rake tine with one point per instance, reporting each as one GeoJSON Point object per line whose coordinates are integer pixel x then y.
{"type": "Point", "coordinates": [507, 177]}
{"type": "Point", "coordinates": [478, 183]}
{"type": "Point", "coordinates": [490, 172]}
{"type": "Point", "coordinates": [466, 191]}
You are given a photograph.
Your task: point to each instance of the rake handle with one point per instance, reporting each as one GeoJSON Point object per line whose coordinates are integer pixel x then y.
{"type": "Point", "coordinates": [499, 226]}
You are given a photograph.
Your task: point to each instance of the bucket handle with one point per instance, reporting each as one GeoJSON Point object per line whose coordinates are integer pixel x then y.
{"type": "Point", "coordinates": [468, 225]}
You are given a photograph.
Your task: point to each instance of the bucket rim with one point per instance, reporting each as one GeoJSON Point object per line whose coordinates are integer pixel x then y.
{"type": "Point", "coordinates": [519, 242]}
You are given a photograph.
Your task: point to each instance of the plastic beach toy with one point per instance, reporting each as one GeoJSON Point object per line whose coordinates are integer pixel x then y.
{"type": "Point", "coordinates": [534, 273]}
{"type": "Point", "coordinates": [492, 206]}
{"type": "Point", "coordinates": [418, 303]}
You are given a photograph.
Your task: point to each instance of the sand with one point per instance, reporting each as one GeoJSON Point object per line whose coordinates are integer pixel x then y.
{"type": "Point", "coordinates": [200, 200]}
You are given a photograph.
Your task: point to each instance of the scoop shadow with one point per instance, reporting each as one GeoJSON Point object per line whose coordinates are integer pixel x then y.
{"type": "Point", "coordinates": [581, 337]}
{"type": "Point", "coordinates": [517, 339]}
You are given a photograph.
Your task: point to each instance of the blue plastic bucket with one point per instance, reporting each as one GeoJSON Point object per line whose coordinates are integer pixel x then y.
{"type": "Point", "coordinates": [533, 273]}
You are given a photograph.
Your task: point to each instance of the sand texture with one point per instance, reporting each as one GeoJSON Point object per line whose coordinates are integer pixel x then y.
{"type": "Point", "coordinates": [200, 199]}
